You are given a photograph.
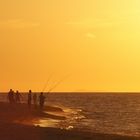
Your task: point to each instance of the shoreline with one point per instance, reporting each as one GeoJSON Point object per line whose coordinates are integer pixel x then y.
{"type": "Point", "coordinates": [16, 123]}
{"type": "Point", "coordinates": [21, 113]}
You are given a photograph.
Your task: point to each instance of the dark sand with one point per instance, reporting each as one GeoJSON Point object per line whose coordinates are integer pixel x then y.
{"type": "Point", "coordinates": [16, 124]}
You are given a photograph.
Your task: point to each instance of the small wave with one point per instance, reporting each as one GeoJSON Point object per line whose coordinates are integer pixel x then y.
{"type": "Point", "coordinates": [72, 117]}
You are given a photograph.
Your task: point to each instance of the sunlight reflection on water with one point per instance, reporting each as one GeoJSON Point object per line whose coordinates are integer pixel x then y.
{"type": "Point", "coordinates": [72, 117]}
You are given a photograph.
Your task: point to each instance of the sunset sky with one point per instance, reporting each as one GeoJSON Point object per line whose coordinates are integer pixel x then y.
{"type": "Point", "coordinates": [95, 42]}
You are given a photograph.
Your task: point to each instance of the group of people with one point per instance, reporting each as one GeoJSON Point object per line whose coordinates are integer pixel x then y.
{"type": "Point", "coordinates": [15, 97]}
{"type": "Point", "coordinates": [33, 97]}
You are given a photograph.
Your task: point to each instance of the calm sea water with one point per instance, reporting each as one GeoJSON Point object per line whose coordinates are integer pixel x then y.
{"type": "Point", "coordinates": [101, 113]}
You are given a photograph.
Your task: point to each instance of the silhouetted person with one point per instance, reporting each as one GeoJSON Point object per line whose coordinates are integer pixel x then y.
{"type": "Point", "coordinates": [29, 98]}
{"type": "Point", "coordinates": [35, 100]}
{"type": "Point", "coordinates": [41, 100]}
{"type": "Point", "coordinates": [11, 96]}
{"type": "Point", "coordinates": [17, 97]}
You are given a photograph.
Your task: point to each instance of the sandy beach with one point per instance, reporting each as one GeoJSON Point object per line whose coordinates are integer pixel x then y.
{"type": "Point", "coordinates": [16, 122]}
{"type": "Point", "coordinates": [15, 132]}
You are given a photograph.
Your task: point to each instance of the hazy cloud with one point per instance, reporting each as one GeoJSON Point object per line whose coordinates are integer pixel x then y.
{"type": "Point", "coordinates": [18, 24]}
{"type": "Point", "coordinates": [96, 23]}
{"type": "Point", "coordinates": [90, 35]}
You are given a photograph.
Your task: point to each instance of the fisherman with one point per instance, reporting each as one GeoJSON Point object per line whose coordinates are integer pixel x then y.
{"type": "Point", "coordinates": [41, 100]}
{"type": "Point", "coordinates": [11, 96]}
{"type": "Point", "coordinates": [35, 100]}
{"type": "Point", "coordinates": [17, 97]}
{"type": "Point", "coordinates": [29, 98]}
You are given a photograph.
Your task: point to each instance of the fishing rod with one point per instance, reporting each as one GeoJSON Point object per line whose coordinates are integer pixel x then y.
{"type": "Point", "coordinates": [47, 82]}
{"type": "Point", "coordinates": [58, 83]}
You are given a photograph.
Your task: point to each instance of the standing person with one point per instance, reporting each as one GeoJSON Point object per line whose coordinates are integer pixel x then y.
{"type": "Point", "coordinates": [17, 97]}
{"type": "Point", "coordinates": [29, 98]}
{"type": "Point", "coordinates": [41, 100]}
{"type": "Point", "coordinates": [35, 100]}
{"type": "Point", "coordinates": [11, 96]}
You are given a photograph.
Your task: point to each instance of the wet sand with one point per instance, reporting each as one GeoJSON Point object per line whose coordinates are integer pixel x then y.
{"type": "Point", "coordinates": [16, 123]}
{"type": "Point", "coordinates": [21, 132]}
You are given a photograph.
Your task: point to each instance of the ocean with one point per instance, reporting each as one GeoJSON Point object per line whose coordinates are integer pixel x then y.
{"type": "Point", "coordinates": [99, 113]}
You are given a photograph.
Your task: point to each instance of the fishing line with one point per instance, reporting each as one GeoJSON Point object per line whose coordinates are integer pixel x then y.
{"type": "Point", "coordinates": [47, 82]}
{"type": "Point", "coordinates": [58, 83]}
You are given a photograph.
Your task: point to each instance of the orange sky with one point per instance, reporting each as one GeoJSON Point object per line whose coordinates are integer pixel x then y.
{"type": "Point", "coordinates": [95, 41]}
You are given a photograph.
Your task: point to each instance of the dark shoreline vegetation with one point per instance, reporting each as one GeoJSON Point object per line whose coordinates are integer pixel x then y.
{"type": "Point", "coordinates": [16, 123]}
